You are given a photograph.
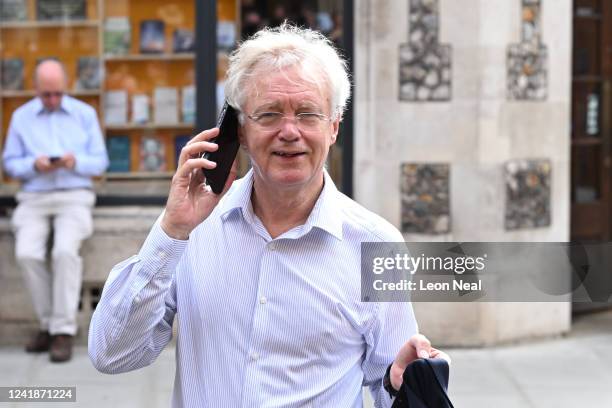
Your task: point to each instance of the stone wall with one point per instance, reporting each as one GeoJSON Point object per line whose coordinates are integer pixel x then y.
{"type": "Point", "coordinates": [487, 162]}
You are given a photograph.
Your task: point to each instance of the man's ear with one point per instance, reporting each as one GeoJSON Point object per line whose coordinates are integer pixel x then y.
{"type": "Point", "coordinates": [241, 137]}
{"type": "Point", "coordinates": [335, 128]}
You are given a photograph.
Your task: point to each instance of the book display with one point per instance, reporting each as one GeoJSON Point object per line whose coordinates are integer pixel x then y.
{"type": "Point", "coordinates": [60, 10]}
{"type": "Point", "coordinates": [179, 142]}
{"type": "Point", "coordinates": [13, 10]}
{"type": "Point", "coordinates": [115, 107]}
{"type": "Point", "coordinates": [11, 74]}
{"type": "Point", "coordinates": [183, 40]}
{"type": "Point", "coordinates": [118, 148]}
{"type": "Point", "coordinates": [165, 102]}
{"type": "Point", "coordinates": [152, 154]}
{"type": "Point", "coordinates": [140, 109]}
{"type": "Point", "coordinates": [152, 39]}
{"type": "Point", "coordinates": [117, 36]}
{"type": "Point", "coordinates": [132, 60]}
{"type": "Point", "coordinates": [89, 73]}
{"type": "Point", "coordinates": [188, 104]}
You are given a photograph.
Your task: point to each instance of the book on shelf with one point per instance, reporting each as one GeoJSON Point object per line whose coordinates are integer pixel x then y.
{"type": "Point", "coordinates": [140, 108]}
{"type": "Point", "coordinates": [183, 40]}
{"type": "Point", "coordinates": [117, 36]}
{"type": "Point", "coordinates": [188, 103]}
{"type": "Point", "coordinates": [226, 34]}
{"type": "Point", "coordinates": [11, 74]}
{"type": "Point", "coordinates": [179, 142]}
{"type": "Point", "coordinates": [118, 148]}
{"type": "Point", "coordinates": [13, 10]}
{"type": "Point", "coordinates": [165, 105]}
{"type": "Point", "coordinates": [152, 154]}
{"type": "Point", "coordinates": [89, 73]}
{"type": "Point", "coordinates": [48, 57]}
{"type": "Point", "coordinates": [152, 38]}
{"type": "Point", "coordinates": [115, 107]}
{"type": "Point", "coordinates": [59, 10]}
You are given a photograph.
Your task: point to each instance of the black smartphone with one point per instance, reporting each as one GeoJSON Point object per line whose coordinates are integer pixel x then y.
{"type": "Point", "coordinates": [228, 142]}
{"type": "Point", "coordinates": [54, 159]}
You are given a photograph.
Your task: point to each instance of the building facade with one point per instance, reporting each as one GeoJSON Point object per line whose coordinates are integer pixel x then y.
{"type": "Point", "coordinates": [479, 120]}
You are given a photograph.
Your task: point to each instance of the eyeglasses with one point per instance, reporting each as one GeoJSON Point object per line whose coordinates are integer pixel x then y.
{"type": "Point", "coordinates": [47, 95]}
{"type": "Point", "coordinates": [305, 121]}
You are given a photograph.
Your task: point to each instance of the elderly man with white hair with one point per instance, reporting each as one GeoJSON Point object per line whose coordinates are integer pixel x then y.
{"type": "Point", "coordinates": [263, 279]}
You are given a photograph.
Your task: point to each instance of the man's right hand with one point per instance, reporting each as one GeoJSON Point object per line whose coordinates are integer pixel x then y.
{"type": "Point", "coordinates": [42, 164]}
{"type": "Point", "coordinates": [189, 201]}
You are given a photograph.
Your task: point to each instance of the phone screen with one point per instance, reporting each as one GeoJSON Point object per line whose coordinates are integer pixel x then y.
{"type": "Point", "coordinates": [228, 142]}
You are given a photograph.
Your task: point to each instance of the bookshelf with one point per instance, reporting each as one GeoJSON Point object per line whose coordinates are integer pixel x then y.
{"type": "Point", "coordinates": [129, 50]}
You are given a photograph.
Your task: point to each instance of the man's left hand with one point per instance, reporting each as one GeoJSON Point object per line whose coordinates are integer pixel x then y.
{"type": "Point", "coordinates": [68, 161]}
{"type": "Point", "coordinates": [417, 347]}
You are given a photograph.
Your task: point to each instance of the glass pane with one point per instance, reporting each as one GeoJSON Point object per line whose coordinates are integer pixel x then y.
{"type": "Point", "coordinates": [586, 164]}
{"type": "Point", "coordinates": [586, 109]}
{"type": "Point", "coordinates": [322, 15]}
{"type": "Point", "coordinates": [587, 7]}
{"type": "Point", "coordinates": [31, 31]}
{"type": "Point", "coordinates": [587, 44]}
{"type": "Point", "coordinates": [149, 89]}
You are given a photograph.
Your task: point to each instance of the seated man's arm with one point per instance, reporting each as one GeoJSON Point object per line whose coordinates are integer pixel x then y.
{"type": "Point", "coordinates": [133, 321]}
{"type": "Point", "coordinates": [18, 162]}
{"type": "Point", "coordinates": [393, 325]}
{"type": "Point", "coordinates": [94, 160]}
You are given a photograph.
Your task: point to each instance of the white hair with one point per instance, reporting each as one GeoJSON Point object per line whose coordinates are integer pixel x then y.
{"type": "Point", "coordinates": [283, 47]}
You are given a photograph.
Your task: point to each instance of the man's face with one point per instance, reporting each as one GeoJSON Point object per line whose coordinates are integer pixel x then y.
{"type": "Point", "coordinates": [290, 154]}
{"type": "Point", "coordinates": [50, 87]}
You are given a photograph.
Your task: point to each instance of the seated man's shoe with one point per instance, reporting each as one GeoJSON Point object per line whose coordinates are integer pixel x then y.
{"type": "Point", "coordinates": [61, 348]}
{"type": "Point", "coordinates": [39, 342]}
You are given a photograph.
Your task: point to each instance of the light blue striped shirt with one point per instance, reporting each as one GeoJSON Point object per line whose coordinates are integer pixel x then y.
{"type": "Point", "coordinates": [261, 322]}
{"type": "Point", "coordinates": [34, 132]}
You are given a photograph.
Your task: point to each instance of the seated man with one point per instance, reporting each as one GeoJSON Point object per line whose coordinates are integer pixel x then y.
{"type": "Point", "coordinates": [54, 146]}
{"type": "Point", "coordinates": [265, 282]}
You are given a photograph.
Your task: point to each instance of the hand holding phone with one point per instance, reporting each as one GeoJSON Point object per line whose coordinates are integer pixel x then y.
{"type": "Point", "coordinates": [224, 156]}
{"type": "Point", "coordinates": [190, 200]}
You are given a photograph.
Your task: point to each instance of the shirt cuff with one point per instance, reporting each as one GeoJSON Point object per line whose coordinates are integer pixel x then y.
{"type": "Point", "coordinates": [30, 169]}
{"type": "Point", "coordinates": [160, 254]}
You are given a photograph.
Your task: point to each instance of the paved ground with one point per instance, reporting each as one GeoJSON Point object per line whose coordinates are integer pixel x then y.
{"type": "Point", "coordinates": [573, 371]}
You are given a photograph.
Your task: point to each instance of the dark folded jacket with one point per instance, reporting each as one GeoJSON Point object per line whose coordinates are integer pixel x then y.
{"type": "Point", "coordinates": [425, 384]}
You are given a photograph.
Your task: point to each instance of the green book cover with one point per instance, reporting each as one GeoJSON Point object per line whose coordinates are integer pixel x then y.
{"type": "Point", "coordinates": [117, 36]}
{"type": "Point", "coordinates": [118, 148]}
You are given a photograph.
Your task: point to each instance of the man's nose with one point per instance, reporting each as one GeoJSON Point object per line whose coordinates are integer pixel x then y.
{"type": "Point", "coordinates": [289, 130]}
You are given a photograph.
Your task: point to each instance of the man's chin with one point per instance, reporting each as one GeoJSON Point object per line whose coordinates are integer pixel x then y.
{"type": "Point", "coordinates": [291, 178]}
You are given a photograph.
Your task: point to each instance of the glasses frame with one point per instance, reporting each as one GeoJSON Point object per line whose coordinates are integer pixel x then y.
{"type": "Point", "coordinates": [256, 117]}
{"type": "Point", "coordinates": [48, 95]}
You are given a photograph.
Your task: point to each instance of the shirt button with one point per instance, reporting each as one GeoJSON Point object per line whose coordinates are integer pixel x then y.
{"type": "Point", "coordinates": [263, 300]}
{"type": "Point", "coordinates": [137, 299]}
{"type": "Point", "coordinates": [272, 246]}
{"type": "Point", "coordinates": [254, 356]}
{"type": "Point", "coordinates": [162, 254]}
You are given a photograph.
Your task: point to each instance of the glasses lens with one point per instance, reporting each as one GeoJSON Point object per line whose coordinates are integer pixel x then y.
{"type": "Point", "coordinates": [50, 94]}
{"type": "Point", "coordinates": [304, 121]}
{"type": "Point", "coordinates": [270, 119]}
{"type": "Point", "coordinates": [309, 121]}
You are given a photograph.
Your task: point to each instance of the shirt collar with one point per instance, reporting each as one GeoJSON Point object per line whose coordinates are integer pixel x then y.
{"type": "Point", "coordinates": [325, 214]}
{"type": "Point", "coordinates": [65, 105]}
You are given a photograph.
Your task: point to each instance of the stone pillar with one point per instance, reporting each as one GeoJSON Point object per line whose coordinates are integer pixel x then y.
{"type": "Point", "coordinates": [486, 161]}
